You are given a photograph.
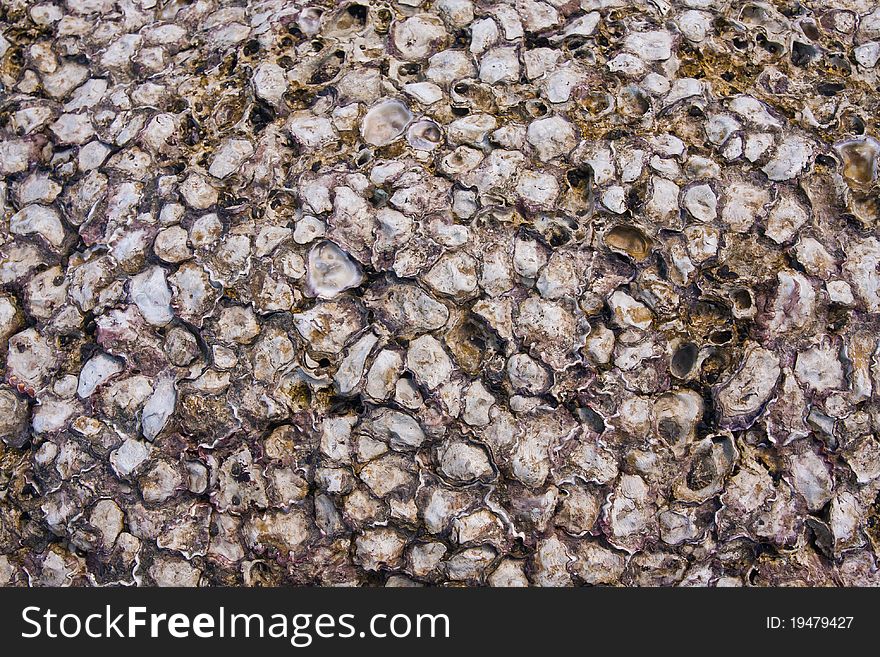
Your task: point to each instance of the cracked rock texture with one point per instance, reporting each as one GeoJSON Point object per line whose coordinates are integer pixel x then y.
{"type": "Point", "coordinates": [451, 292]}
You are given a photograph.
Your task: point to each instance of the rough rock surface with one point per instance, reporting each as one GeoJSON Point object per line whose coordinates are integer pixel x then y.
{"type": "Point", "coordinates": [507, 292]}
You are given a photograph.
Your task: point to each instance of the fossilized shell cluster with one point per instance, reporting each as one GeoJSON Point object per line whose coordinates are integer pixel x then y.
{"type": "Point", "coordinates": [507, 292]}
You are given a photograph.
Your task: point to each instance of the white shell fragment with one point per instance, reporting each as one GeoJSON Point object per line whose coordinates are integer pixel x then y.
{"type": "Point", "coordinates": [38, 220]}
{"type": "Point", "coordinates": [158, 408]}
{"type": "Point", "coordinates": [95, 372]}
{"type": "Point", "coordinates": [230, 157]}
{"type": "Point", "coordinates": [151, 294]}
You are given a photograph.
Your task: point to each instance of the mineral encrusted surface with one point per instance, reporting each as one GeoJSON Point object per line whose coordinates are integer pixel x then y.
{"type": "Point", "coordinates": [450, 292]}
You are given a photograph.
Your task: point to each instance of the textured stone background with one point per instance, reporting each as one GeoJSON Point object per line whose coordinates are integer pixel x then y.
{"type": "Point", "coordinates": [453, 292]}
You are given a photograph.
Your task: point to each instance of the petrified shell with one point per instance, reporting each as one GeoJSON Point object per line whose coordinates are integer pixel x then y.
{"type": "Point", "coordinates": [859, 159]}
{"type": "Point", "coordinates": [710, 462]}
{"type": "Point", "coordinates": [742, 397]}
{"type": "Point", "coordinates": [385, 122]}
{"type": "Point", "coordinates": [418, 37]}
{"type": "Point", "coordinates": [629, 240]}
{"type": "Point", "coordinates": [676, 415]}
{"type": "Point", "coordinates": [330, 271]}
{"type": "Point", "coordinates": [424, 135]}
{"type": "Point", "coordinates": [523, 293]}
